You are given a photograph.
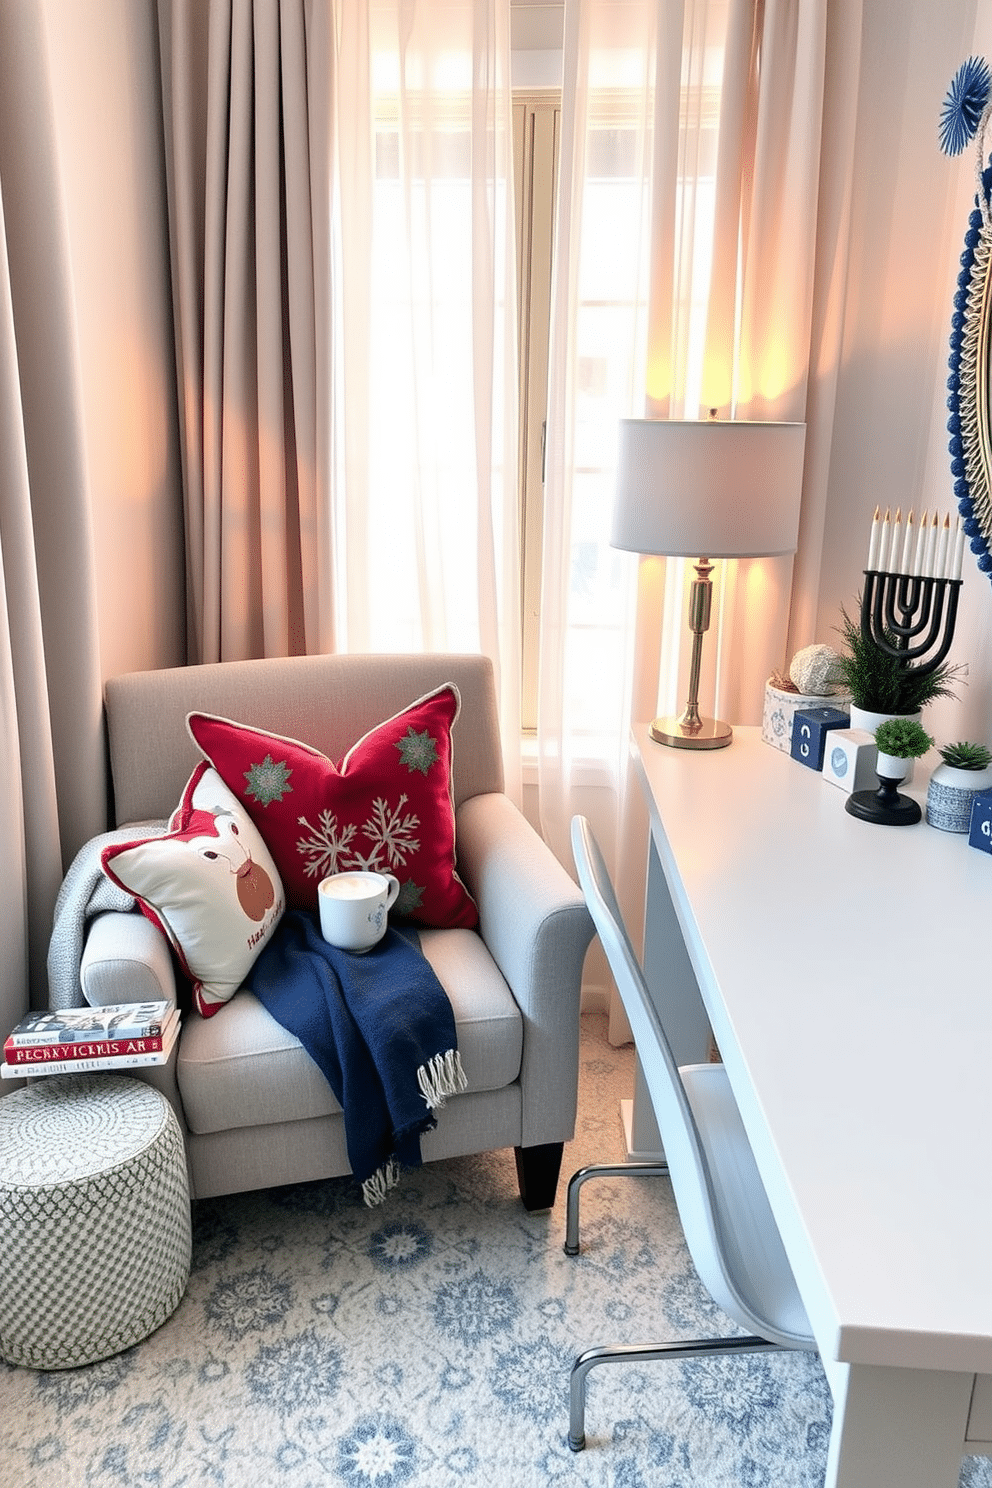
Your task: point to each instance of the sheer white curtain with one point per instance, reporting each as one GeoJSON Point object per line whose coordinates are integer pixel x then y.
{"type": "Point", "coordinates": [423, 326]}
{"type": "Point", "coordinates": [691, 192]}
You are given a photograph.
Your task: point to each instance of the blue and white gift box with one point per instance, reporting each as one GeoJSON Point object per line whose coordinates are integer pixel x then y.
{"type": "Point", "coordinates": [980, 835]}
{"type": "Point", "coordinates": [850, 758]}
{"type": "Point", "coordinates": [811, 728]}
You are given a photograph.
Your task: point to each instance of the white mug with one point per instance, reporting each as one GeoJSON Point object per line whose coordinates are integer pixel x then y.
{"type": "Point", "coordinates": [353, 908]}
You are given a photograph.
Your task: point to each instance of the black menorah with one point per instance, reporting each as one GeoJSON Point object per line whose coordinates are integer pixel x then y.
{"type": "Point", "coordinates": [910, 616]}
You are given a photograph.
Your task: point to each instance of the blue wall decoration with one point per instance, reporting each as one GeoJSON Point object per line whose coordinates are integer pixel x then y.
{"type": "Point", "coordinates": [964, 117]}
{"type": "Point", "coordinates": [962, 109]}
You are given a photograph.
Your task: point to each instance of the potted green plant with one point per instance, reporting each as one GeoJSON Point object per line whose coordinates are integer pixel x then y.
{"type": "Point", "coordinates": [899, 740]}
{"type": "Point", "coordinates": [965, 769]}
{"type": "Point", "coordinates": [880, 684]}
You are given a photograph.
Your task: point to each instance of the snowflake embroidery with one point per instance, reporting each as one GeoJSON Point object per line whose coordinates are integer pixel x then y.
{"type": "Point", "coordinates": [268, 781]}
{"type": "Point", "coordinates": [418, 751]}
{"type": "Point", "coordinates": [327, 846]}
{"type": "Point", "coordinates": [391, 833]}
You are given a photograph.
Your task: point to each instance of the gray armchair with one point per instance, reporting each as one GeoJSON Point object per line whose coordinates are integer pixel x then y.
{"type": "Point", "coordinates": [254, 1108]}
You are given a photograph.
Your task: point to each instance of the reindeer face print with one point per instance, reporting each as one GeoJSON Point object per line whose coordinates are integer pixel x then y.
{"type": "Point", "coordinates": [209, 883]}
{"type": "Point", "coordinates": [223, 844]}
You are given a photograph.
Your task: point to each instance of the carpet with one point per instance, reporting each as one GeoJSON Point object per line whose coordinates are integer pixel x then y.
{"type": "Point", "coordinates": [428, 1342]}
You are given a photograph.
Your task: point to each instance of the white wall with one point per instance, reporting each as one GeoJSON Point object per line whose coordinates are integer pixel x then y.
{"type": "Point", "coordinates": [909, 214]}
{"type": "Point", "coordinates": [105, 97]}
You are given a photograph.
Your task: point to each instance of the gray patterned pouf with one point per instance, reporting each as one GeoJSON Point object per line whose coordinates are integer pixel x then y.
{"type": "Point", "coordinates": [94, 1218]}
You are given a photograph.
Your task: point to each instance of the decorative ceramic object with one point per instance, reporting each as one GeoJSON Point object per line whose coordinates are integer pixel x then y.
{"type": "Point", "coordinates": [951, 795]}
{"type": "Point", "coordinates": [816, 671]}
{"type": "Point", "coordinates": [781, 707]}
{"type": "Point", "coordinates": [964, 771]}
{"type": "Point", "coordinates": [863, 718]}
{"type": "Point", "coordinates": [890, 766]}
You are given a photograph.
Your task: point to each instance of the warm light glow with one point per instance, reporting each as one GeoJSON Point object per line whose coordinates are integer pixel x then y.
{"type": "Point", "coordinates": [128, 420]}
{"type": "Point", "coordinates": [774, 382]}
{"type": "Point", "coordinates": [717, 385]}
{"type": "Point", "coordinates": [657, 402]}
{"type": "Point", "coordinates": [759, 590]}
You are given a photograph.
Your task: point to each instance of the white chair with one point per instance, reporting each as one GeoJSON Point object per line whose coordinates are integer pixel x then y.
{"type": "Point", "coordinates": [728, 1224]}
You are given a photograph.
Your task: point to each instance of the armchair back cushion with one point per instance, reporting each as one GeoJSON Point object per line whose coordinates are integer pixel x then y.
{"type": "Point", "coordinates": [327, 701]}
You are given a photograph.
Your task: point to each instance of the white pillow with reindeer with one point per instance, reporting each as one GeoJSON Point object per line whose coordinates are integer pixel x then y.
{"type": "Point", "coordinates": [209, 884]}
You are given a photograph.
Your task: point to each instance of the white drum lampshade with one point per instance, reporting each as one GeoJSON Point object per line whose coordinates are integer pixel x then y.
{"type": "Point", "coordinates": [706, 489]}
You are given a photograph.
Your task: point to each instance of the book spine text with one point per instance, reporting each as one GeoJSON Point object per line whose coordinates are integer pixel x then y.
{"type": "Point", "coordinates": [80, 1049]}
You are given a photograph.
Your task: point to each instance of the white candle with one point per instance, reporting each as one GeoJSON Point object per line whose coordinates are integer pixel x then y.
{"type": "Point", "coordinates": [883, 541]}
{"type": "Point", "coordinates": [921, 546]}
{"type": "Point", "coordinates": [931, 548]}
{"type": "Point", "coordinates": [895, 545]}
{"type": "Point", "coordinates": [940, 563]}
{"type": "Point", "coordinates": [906, 562]}
{"type": "Point", "coordinates": [958, 553]}
{"type": "Point", "coordinates": [873, 541]}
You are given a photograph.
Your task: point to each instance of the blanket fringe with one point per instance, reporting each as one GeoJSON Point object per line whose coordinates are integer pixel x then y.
{"type": "Point", "coordinates": [440, 1077]}
{"type": "Point", "coordinates": [375, 1189]}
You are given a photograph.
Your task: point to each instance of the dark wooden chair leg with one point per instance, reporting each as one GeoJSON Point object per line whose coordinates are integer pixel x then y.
{"type": "Point", "coordinates": [537, 1174]}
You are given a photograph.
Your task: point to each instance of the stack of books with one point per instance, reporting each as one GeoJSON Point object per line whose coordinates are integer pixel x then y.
{"type": "Point", "coordinates": [76, 1040]}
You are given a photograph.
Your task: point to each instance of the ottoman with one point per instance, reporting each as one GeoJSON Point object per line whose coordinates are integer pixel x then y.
{"type": "Point", "coordinates": [94, 1218]}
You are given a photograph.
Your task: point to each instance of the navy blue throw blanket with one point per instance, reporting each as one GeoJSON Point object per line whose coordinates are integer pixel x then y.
{"type": "Point", "coordinates": [380, 1028]}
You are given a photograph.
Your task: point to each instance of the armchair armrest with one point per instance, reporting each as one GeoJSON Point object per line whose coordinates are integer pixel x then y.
{"type": "Point", "coordinates": [125, 959]}
{"type": "Point", "coordinates": [533, 919]}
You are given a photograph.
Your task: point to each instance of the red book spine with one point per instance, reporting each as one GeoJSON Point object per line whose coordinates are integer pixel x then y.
{"type": "Point", "coordinates": [97, 1049]}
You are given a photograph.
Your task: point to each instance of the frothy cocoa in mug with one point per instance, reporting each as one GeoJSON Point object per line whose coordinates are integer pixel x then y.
{"type": "Point", "coordinates": [358, 886]}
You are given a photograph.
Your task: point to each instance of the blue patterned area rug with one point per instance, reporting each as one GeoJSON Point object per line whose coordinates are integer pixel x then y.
{"type": "Point", "coordinates": [428, 1343]}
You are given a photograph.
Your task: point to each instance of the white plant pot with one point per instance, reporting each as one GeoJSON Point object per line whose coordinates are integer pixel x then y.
{"type": "Point", "coordinates": [862, 718]}
{"type": "Point", "coordinates": [891, 766]}
{"type": "Point", "coordinates": [951, 793]}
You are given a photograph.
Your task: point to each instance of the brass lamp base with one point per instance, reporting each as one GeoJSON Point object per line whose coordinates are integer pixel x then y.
{"type": "Point", "coordinates": [705, 733]}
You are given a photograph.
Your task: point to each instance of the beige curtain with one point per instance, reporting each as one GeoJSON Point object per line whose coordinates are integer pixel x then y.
{"type": "Point", "coordinates": [245, 98]}
{"type": "Point", "coordinates": [52, 780]}
{"type": "Point", "coordinates": [700, 258]}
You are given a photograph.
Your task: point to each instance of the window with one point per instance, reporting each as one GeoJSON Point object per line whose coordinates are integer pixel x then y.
{"type": "Point", "coordinates": [609, 358]}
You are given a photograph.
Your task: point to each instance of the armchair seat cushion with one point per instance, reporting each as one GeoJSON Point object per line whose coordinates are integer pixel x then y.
{"type": "Point", "coordinates": [243, 1069]}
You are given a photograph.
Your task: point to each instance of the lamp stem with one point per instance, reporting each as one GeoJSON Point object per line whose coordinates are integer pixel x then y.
{"type": "Point", "coordinates": [700, 602]}
{"type": "Point", "coordinates": [690, 731]}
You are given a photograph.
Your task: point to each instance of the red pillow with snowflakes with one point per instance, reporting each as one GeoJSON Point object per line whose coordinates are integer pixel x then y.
{"type": "Point", "coordinates": [386, 806]}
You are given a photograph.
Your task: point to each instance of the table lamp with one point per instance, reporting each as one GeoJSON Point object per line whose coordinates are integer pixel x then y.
{"type": "Point", "coordinates": [713, 487]}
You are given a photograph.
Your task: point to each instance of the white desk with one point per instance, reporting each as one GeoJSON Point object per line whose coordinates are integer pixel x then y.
{"type": "Point", "coordinates": [845, 968]}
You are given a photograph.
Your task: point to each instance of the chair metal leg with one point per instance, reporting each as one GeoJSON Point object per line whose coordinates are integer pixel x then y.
{"type": "Point", "coordinates": [601, 1170]}
{"type": "Point", "coordinates": [641, 1354]}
